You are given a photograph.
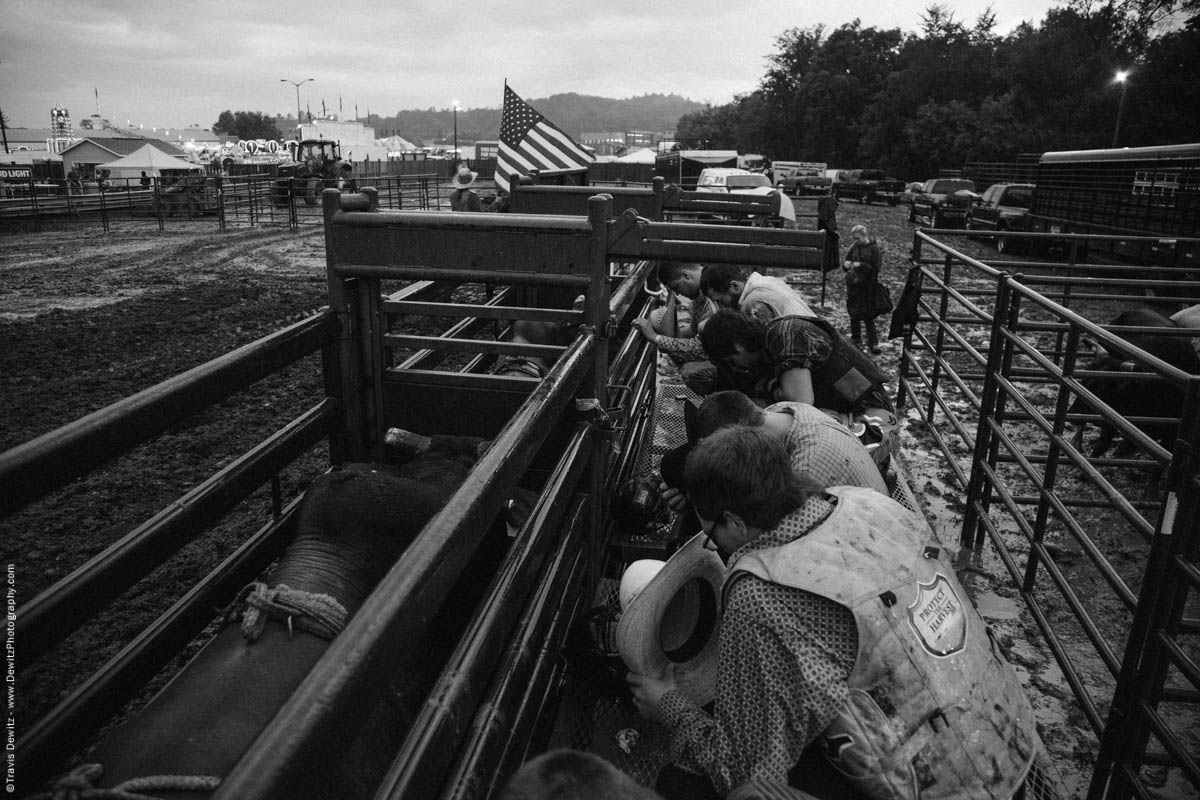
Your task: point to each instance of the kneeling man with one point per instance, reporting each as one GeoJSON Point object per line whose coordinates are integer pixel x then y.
{"type": "Point", "coordinates": [844, 624]}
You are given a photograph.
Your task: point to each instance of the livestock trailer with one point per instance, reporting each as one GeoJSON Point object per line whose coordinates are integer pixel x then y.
{"type": "Point", "coordinates": [1123, 192]}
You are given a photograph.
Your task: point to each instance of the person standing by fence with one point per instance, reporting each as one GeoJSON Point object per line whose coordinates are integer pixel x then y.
{"type": "Point", "coordinates": [861, 269]}
{"type": "Point", "coordinates": [463, 198]}
{"type": "Point", "coordinates": [74, 181]}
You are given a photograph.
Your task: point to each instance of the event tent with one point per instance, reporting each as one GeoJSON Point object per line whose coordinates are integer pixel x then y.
{"type": "Point", "coordinates": [153, 161]}
{"type": "Point", "coordinates": [643, 156]}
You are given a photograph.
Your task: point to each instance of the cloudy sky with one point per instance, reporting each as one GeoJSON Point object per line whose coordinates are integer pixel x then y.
{"type": "Point", "coordinates": [172, 63]}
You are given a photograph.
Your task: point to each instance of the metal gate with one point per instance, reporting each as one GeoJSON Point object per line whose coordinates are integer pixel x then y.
{"type": "Point", "coordinates": [1101, 547]}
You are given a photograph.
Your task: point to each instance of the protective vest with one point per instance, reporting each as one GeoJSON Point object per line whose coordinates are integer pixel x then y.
{"type": "Point", "coordinates": [848, 379]}
{"type": "Point", "coordinates": [934, 711]}
{"type": "Point", "coordinates": [775, 294]}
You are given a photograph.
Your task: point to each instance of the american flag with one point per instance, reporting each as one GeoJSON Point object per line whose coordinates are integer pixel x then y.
{"type": "Point", "coordinates": [529, 141]}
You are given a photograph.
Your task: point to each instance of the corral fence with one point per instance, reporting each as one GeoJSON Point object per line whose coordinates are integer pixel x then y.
{"type": "Point", "coordinates": [1101, 546]}
{"type": "Point", "coordinates": [224, 201]}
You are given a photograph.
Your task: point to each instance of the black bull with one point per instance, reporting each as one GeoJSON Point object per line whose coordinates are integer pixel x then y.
{"type": "Point", "coordinates": [1135, 397]}
{"type": "Point", "coordinates": [353, 524]}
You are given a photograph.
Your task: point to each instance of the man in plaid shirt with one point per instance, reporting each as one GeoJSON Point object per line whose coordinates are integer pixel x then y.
{"type": "Point", "coordinates": [804, 360]}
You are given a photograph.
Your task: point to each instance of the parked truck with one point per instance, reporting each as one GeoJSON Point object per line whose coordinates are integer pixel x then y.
{"type": "Point", "coordinates": [1003, 207]}
{"type": "Point", "coordinates": [944, 202]}
{"type": "Point", "coordinates": [867, 186]}
{"type": "Point", "coordinates": [800, 177]}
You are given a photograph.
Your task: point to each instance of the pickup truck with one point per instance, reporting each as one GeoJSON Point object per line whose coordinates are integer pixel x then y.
{"type": "Point", "coordinates": [799, 178]}
{"type": "Point", "coordinates": [943, 201]}
{"type": "Point", "coordinates": [867, 185]}
{"type": "Point", "coordinates": [1003, 207]}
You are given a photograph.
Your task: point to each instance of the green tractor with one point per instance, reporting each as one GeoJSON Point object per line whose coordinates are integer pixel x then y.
{"type": "Point", "coordinates": [317, 166]}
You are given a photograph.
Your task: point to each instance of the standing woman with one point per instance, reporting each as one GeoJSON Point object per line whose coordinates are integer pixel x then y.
{"type": "Point", "coordinates": [463, 198]}
{"type": "Point", "coordinates": [861, 268]}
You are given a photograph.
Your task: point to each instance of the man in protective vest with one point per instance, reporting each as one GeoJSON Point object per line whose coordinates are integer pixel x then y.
{"type": "Point", "coordinates": [844, 625]}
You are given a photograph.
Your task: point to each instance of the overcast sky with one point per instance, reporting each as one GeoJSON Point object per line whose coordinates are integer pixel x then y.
{"type": "Point", "coordinates": [171, 63]}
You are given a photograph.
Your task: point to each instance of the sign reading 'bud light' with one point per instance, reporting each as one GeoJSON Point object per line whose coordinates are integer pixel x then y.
{"type": "Point", "coordinates": [16, 173]}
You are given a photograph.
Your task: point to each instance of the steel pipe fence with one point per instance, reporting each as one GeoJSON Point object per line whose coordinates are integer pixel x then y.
{"type": "Point", "coordinates": [216, 200]}
{"type": "Point", "coordinates": [1102, 546]}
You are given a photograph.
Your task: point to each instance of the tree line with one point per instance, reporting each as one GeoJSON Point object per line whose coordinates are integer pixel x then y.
{"type": "Point", "coordinates": [914, 104]}
{"type": "Point", "coordinates": [572, 112]}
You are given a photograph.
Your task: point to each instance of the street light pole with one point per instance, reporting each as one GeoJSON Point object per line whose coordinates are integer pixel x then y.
{"type": "Point", "coordinates": [1122, 78]}
{"type": "Point", "coordinates": [456, 133]}
{"type": "Point", "coordinates": [297, 84]}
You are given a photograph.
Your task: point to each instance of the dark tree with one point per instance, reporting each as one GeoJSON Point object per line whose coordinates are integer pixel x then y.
{"type": "Point", "coordinates": [247, 125]}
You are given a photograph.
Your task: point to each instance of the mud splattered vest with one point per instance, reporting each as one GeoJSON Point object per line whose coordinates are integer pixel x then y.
{"type": "Point", "coordinates": [934, 710]}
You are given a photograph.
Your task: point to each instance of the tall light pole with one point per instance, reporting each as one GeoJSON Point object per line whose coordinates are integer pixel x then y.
{"type": "Point", "coordinates": [456, 133]}
{"type": "Point", "coordinates": [297, 84]}
{"type": "Point", "coordinates": [1121, 77]}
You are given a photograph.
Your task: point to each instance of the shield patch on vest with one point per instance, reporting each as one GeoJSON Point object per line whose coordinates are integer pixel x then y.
{"type": "Point", "coordinates": [939, 617]}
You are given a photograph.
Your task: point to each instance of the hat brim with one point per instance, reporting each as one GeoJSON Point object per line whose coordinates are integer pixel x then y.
{"type": "Point", "coordinates": [457, 184]}
{"type": "Point", "coordinates": [689, 588]}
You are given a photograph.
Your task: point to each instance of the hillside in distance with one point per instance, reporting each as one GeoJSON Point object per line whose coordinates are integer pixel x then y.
{"type": "Point", "coordinates": [574, 113]}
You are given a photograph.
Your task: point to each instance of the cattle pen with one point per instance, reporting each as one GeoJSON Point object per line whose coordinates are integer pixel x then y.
{"type": "Point", "coordinates": [476, 684]}
{"type": "Point", "coordinates": [1101, 547]}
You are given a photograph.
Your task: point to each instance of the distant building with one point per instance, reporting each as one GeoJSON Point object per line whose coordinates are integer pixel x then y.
{"type": "Point", "coordinates": [610, 143]}
{"type": "Point", "coordinates": [96, 151]}
{"type": "Point", "coordinates": [350, 134]}
{"type": "Point", "coordinates": [358, 142]}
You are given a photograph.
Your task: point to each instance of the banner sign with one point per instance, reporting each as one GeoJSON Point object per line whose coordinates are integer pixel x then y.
{"type": "Point", "coordinates": [13, 173]}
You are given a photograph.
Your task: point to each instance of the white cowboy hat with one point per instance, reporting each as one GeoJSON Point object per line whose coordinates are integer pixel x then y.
{"type": "Point", "coordinates": [675, 620]}
{"type": "Point", "coordinates": [464, 178]}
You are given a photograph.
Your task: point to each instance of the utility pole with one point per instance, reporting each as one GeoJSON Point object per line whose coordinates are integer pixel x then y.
{"type": "Point", "coordinates": [297, 84]}
{"type": "Point", "coordinates": [1122, 77]}
{"type": "Point", "coordinates": [4, 131]}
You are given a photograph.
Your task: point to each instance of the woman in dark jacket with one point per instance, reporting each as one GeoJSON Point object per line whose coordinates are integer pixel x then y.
{"type": "Point", "coordinates": [862, 273]}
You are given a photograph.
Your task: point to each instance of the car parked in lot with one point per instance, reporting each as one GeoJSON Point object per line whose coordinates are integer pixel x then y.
{"type": "Point", "coordinates": [945, 202]}
{"type": "Point", "coordinates": [732, 180]}
{"type": "Point", "coordinates": [1003, 207]}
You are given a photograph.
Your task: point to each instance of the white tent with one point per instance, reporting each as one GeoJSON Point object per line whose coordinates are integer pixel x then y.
{"type": "Point", "coordinates": [643, 156]}
{"type": "Point", "coordinates": [149, 159]}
